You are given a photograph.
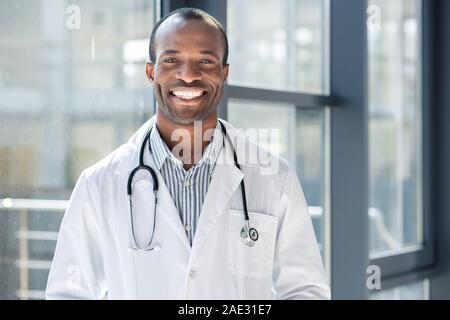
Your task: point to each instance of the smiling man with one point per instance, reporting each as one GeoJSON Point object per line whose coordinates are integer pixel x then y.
{"type": "Point", "coordinates": [188, 68]}
{"type": "Point", "coordinates": [179, 212]}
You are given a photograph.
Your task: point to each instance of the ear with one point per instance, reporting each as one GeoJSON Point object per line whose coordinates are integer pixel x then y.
{"type": "Point", "coordinates": [225, 71]}
{"type": "Point", "coordinates": [150, 71]}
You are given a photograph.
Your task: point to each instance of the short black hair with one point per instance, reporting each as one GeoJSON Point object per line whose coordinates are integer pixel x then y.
{"type": "Point", "coordinates": [188, 14]}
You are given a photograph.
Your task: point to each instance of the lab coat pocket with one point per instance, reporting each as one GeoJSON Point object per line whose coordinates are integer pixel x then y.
{"type": "Point", "coordinates": [256, 261]}
{"type": "Point", "coordinates": [147, 274]}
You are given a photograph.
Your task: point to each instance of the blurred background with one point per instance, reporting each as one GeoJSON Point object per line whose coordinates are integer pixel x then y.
{"type": "Point", "coordinates": [356, 90]}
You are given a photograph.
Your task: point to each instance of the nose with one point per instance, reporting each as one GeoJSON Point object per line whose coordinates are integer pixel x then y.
{"type": "Point", "coordinates": [188, 72]}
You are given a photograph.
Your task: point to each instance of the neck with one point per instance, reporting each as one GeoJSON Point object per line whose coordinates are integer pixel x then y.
{"type": "Point", "coordinates": [186, 142]}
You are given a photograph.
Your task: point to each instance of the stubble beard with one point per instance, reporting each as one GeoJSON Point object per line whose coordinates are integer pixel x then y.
{"type": "Point", "coordinates": [168, 112]}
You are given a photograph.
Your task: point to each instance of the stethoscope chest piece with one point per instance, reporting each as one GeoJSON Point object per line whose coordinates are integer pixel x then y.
{"type": "Point", "coordinates": [249, 235]}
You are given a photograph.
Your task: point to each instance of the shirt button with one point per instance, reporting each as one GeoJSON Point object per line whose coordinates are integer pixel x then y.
{"type": "Point", "coordinates": [188, 227]}
{"type": "Point", "coordinates": [187, 184]}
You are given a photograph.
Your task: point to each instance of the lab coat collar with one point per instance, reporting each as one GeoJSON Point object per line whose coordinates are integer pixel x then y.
{"type": "Point", "coordinates": [224, 158]}
{"type": "Point", "coordinates": [161, 152]}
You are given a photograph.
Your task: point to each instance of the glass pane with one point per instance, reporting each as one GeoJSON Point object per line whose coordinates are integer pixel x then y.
{"type": "Point", "coordinates": [278, 44]}
{"type": "Point", "coordinates": [72, 89]}
{"type": "Point", "coordinates": [395, 130]}
{"type": "Point", "coordinates": [414, 291]}
{"type": "Point", "coordinates": [300, 141]}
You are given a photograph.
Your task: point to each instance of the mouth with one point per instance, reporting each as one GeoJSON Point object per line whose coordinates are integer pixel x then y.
{"type": "Point", "coordinates": [188, 96]}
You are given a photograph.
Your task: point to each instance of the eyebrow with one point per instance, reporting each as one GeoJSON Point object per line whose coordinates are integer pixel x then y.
{"type": "Point", "coordinates": [207, 52]}
{"type": "Point", "coordinates": [170, 52]}
{"type": "Point", "coordinates": [210, 53]}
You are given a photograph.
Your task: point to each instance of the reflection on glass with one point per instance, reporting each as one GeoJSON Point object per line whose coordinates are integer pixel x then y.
{"type": "Point", "coordinates": [278, 44]}
{"type": "Point", "coordinates": [395, 131]}
{"type": "Point", "coordinates": [414, 291]}
{"type": "Point", "coordinates": [72, 88]}
{"type": "Point", "coordinates": [301, 142]}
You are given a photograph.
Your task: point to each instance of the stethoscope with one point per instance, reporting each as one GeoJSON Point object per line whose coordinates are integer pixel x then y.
{"type": "Point", "coordinates": [248, 234]}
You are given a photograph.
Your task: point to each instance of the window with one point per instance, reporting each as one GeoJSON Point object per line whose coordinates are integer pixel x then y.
{"type": "Point", "coordinates": [401, 237]}
{"type": "Point", "coordinates": [278, 44]}
{"type": "Point", "coordinates": [394, 127]}
{"type": "Point", "coordinates": [415, 291]}
{"type": "Point", "coordinates": [72, 89]}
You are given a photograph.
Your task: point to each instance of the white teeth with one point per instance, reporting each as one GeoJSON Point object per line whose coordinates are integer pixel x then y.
{"type": "Point", "coordinates": [187, 94]}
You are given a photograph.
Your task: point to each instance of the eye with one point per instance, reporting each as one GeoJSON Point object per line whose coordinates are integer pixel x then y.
{"type": "Point", "coordinates": [169, 60]}
{"type": "Point", "coordinates": [207, 61]}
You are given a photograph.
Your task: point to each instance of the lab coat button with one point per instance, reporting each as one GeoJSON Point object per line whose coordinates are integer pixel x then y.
{"type": "Point", "coordinates": [192, 273]}
{"type": "Point", "coordinates": [188, 227]}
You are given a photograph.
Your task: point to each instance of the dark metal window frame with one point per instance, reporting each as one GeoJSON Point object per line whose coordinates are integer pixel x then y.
{"type": "Point", "coordinates": [348, 153]}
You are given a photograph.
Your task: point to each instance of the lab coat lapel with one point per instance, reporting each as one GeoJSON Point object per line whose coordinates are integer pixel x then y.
{"type": "Point", "coordinates": [225, 180]}
{"type": "Point", "coordinates": [166, 209]}
{"type": "Point", "coordinates": [165, 206]}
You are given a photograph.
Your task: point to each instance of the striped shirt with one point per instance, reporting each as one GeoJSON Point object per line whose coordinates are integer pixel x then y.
{"type": "Point", "coordinates": [187, 188]}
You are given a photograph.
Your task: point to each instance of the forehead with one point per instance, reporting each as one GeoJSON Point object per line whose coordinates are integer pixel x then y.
{"type": "Point", "coordinates": [177, 33]}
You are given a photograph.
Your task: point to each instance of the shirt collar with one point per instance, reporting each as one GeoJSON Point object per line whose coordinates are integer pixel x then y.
{"type": "Point", "coordinates": [160, 152]}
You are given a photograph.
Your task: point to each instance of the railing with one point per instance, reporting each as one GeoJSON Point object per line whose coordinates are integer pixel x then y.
{"type": "Point", "coordinates": [24, 235]}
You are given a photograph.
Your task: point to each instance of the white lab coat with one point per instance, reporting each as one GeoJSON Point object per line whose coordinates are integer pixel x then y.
{"type": "Point", "coordinates": [93, 259]}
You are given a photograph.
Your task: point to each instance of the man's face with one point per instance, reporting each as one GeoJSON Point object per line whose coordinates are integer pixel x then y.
{"type": "Point", "coordinates": [188, 75]}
